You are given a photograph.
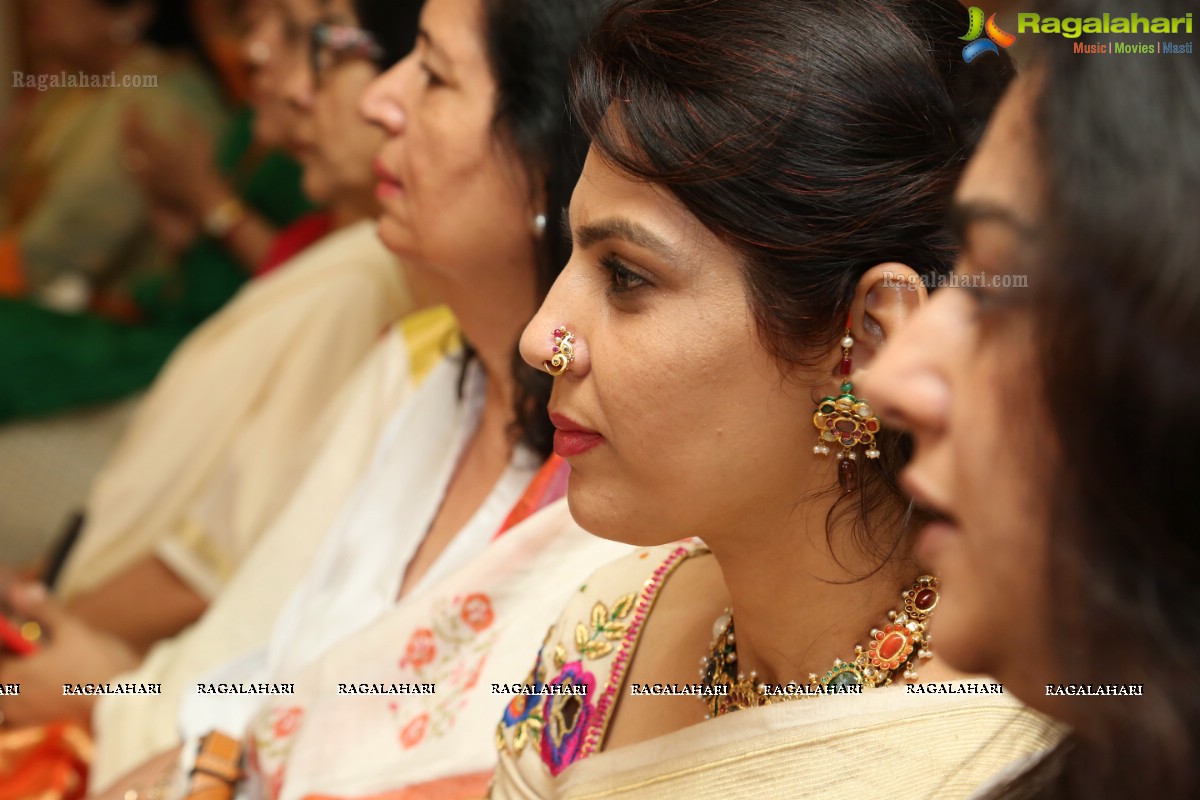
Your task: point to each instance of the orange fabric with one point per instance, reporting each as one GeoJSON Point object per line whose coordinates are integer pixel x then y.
{"type": "Point", "coordinates": [460, 787]}
{"type": "Point", "coordinates": [548, 485]}
{"type": "Point", "coordinates": [12, 277]}
{"type": "Point", "coordinates": [44, 763]}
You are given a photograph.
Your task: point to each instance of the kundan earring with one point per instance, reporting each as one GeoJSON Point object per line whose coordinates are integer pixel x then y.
{"type": "Point", "coordinates": [564, 352]}
{"type": "Point", "coordinates": [847, 421]}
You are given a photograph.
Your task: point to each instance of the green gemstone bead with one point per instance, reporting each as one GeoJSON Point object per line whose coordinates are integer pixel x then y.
{"type": "Point", "coordinates": [847, 387]}
{"type": "Point", "coordinates": [849, 677]}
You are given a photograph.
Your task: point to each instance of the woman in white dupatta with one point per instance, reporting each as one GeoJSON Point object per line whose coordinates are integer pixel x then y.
{"type": "Point", "coordinates": [749, 229]}
{"type": "Point", "coordinates": [480, 148]}
{"type": "Point", "coordinates": [223, 437]}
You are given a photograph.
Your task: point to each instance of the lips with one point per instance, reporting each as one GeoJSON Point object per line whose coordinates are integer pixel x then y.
{"type": "Point", "coordinates": [941, 527]}
{"type": "Point", "coordinates": [388, 184]}
{"type": "Point", "coordinates": [571, 438]}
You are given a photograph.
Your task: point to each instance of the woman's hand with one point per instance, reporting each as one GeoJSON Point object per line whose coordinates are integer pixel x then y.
{"type": "Point", "coordinates": [70, 653]}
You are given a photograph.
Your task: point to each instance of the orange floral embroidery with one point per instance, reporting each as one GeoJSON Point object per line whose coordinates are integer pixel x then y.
{"type": "Point", "coordinates": [287, 721]}
{"type": "Point", "coordinates": [421, 649]}
{"type": "Point", "coordinates": [477, 611]}
{"type": "Point", "coordinates": [414, 732]}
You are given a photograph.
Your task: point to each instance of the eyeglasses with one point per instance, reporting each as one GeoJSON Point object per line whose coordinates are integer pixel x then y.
{"type": "Point", "coordinates": [330, 45]}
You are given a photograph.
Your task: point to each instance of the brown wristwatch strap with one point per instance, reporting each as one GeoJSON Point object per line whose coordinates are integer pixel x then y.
{"type": "Point", "coordinates": [217, 770]}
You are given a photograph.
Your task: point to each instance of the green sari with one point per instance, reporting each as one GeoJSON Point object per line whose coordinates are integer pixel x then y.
{"type": "Point", "coordinates": [52, 362]}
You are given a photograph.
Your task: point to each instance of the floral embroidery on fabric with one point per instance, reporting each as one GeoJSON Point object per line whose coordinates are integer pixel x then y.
{"type": "Point", "coordinates": [273, 732]}
{"type": "Point", "coordinates": [414, 732]}
{"type": "Point", "coordinates": [287, 722]}
{"type": "Point", "coordinates": [523, 714]}
{"type": "Point", "coordinates": [421, 649]}
{"type": "Point", "coordinates": [558, 722]}
{"type": "Point", "coordinates": [477, 611]}
{"type": "Point", "coordinates": [571, 726]}
{"type": "Point", "coordinates": [567, 717]}
{"type": "Point", "coordinates": [595, 640]}
{"type": "Point", "coordinates": [450, 654]}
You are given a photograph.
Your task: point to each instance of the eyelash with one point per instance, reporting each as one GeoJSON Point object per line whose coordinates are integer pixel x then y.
{"type": "Point", "coordinates": [431, 77]}
{"type": "Point", "coordinates": [622, 279]}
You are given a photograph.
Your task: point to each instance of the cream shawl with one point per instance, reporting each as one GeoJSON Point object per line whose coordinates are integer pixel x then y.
{"type": "Point", "coordinates": [212, 452]}
{"type": "Point", "coordinates": [884, 741]}
{"type": "Point", "coordinates": [131, 729]}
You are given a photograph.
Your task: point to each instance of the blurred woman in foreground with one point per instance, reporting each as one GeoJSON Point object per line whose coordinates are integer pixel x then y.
{"type": "Point", "coordinates": [1048, 394]}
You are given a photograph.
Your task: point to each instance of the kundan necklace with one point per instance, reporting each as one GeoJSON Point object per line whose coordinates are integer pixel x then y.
{"type": "Point", "coordinates": [890, 650]}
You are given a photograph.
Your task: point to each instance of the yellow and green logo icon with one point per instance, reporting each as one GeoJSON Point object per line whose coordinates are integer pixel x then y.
{"type": "Point", "coordinates": [996, 36]}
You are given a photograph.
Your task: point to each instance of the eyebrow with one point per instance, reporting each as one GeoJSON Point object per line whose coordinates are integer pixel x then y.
{"type": "Point", "coordinates": [965, 214]}
{"type": "Point", "coordinates": [423, 36]}
{"type": "Point", "coordinates": [622, 228]}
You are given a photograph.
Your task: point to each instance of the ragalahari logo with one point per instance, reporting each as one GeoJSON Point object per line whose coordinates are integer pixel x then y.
{"type": "Point", "coordinates": [995, 36]}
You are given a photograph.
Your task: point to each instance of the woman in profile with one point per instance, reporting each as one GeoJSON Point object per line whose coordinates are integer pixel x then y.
{"type": "Point", "coordinates": [748, 229]}
{"type": "Point", "coordinates": [433, 567]}
{"type": "Point", "coordinates": [1046, 394]}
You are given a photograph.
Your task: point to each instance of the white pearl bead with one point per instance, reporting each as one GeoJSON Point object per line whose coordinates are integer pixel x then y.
{"type": "Point", "coordinates": [847, 342]}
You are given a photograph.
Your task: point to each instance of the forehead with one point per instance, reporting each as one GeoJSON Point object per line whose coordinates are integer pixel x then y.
{"type": "Point", "coordinates": [455, 27]}
{"type": "Point", "coordinates": [1003, 172]}
{"type": "Point", "coordinates": [605, 191]}
{"type": "Point", "coordinates": [300, 10]}
{"type": "Point", "coordinates": [339, 8]}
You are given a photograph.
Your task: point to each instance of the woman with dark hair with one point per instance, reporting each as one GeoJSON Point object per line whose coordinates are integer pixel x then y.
{"type": "Point", "coordinates": [212, 451]}
{"type": "Point", "coordinates": [748, 226]}
{"type": "Point", "coordinates": [1077, 286]}
{"type": "Point", "coordinates": [428, 570]}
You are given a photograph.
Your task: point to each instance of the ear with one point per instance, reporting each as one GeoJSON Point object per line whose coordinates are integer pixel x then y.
{"type": "Point", "coordinates": [886, 298]}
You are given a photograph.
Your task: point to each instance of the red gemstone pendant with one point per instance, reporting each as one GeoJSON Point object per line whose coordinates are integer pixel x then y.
{"type": "Point", "coordinates": [890, 647]}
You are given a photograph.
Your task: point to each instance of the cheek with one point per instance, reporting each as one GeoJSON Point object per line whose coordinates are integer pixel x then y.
{"type": "Point", "coordinates": [685, 425]}
{"type": "Point", "coordinates": [994, 572]}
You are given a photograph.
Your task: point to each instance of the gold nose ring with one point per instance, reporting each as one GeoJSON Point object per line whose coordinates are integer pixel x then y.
{"type": "Point", "coordinates": [564, 352]}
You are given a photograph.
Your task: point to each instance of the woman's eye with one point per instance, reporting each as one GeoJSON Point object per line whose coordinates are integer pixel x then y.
{"type": "Point", "coordinates": [621, 278]}
{"type": "Point", "coordinates": [431, 77]}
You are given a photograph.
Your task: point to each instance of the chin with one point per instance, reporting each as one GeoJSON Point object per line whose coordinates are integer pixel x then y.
{"type": "Point", "coordinates": [316, 187]}
{"type": "Point", "coordinates": [606, 515]}
{"type": "Point", "coordinates": [961, 643]}
{"type": "Point", "coordinates": [396, 238]}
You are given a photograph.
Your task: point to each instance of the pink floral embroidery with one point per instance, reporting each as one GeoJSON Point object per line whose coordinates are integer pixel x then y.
{"type": "Point", "coordinates": [414, 732]}
{"type": "Point", "coordinates": [287, 721]}
{"type": "Point", "coordinates": [421, 649]}
{"type": "Point", "coordinates": [477, 611]}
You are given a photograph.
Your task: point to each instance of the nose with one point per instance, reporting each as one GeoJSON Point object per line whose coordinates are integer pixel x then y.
{"type": "Point", "coordinates": [381, 103]}
{"type": "Point", "coordinates": [908, 381]}
{"type": "Point", "coordinates": [553, 340]}
{"type": "Point", "coordinates": [299, 84]}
